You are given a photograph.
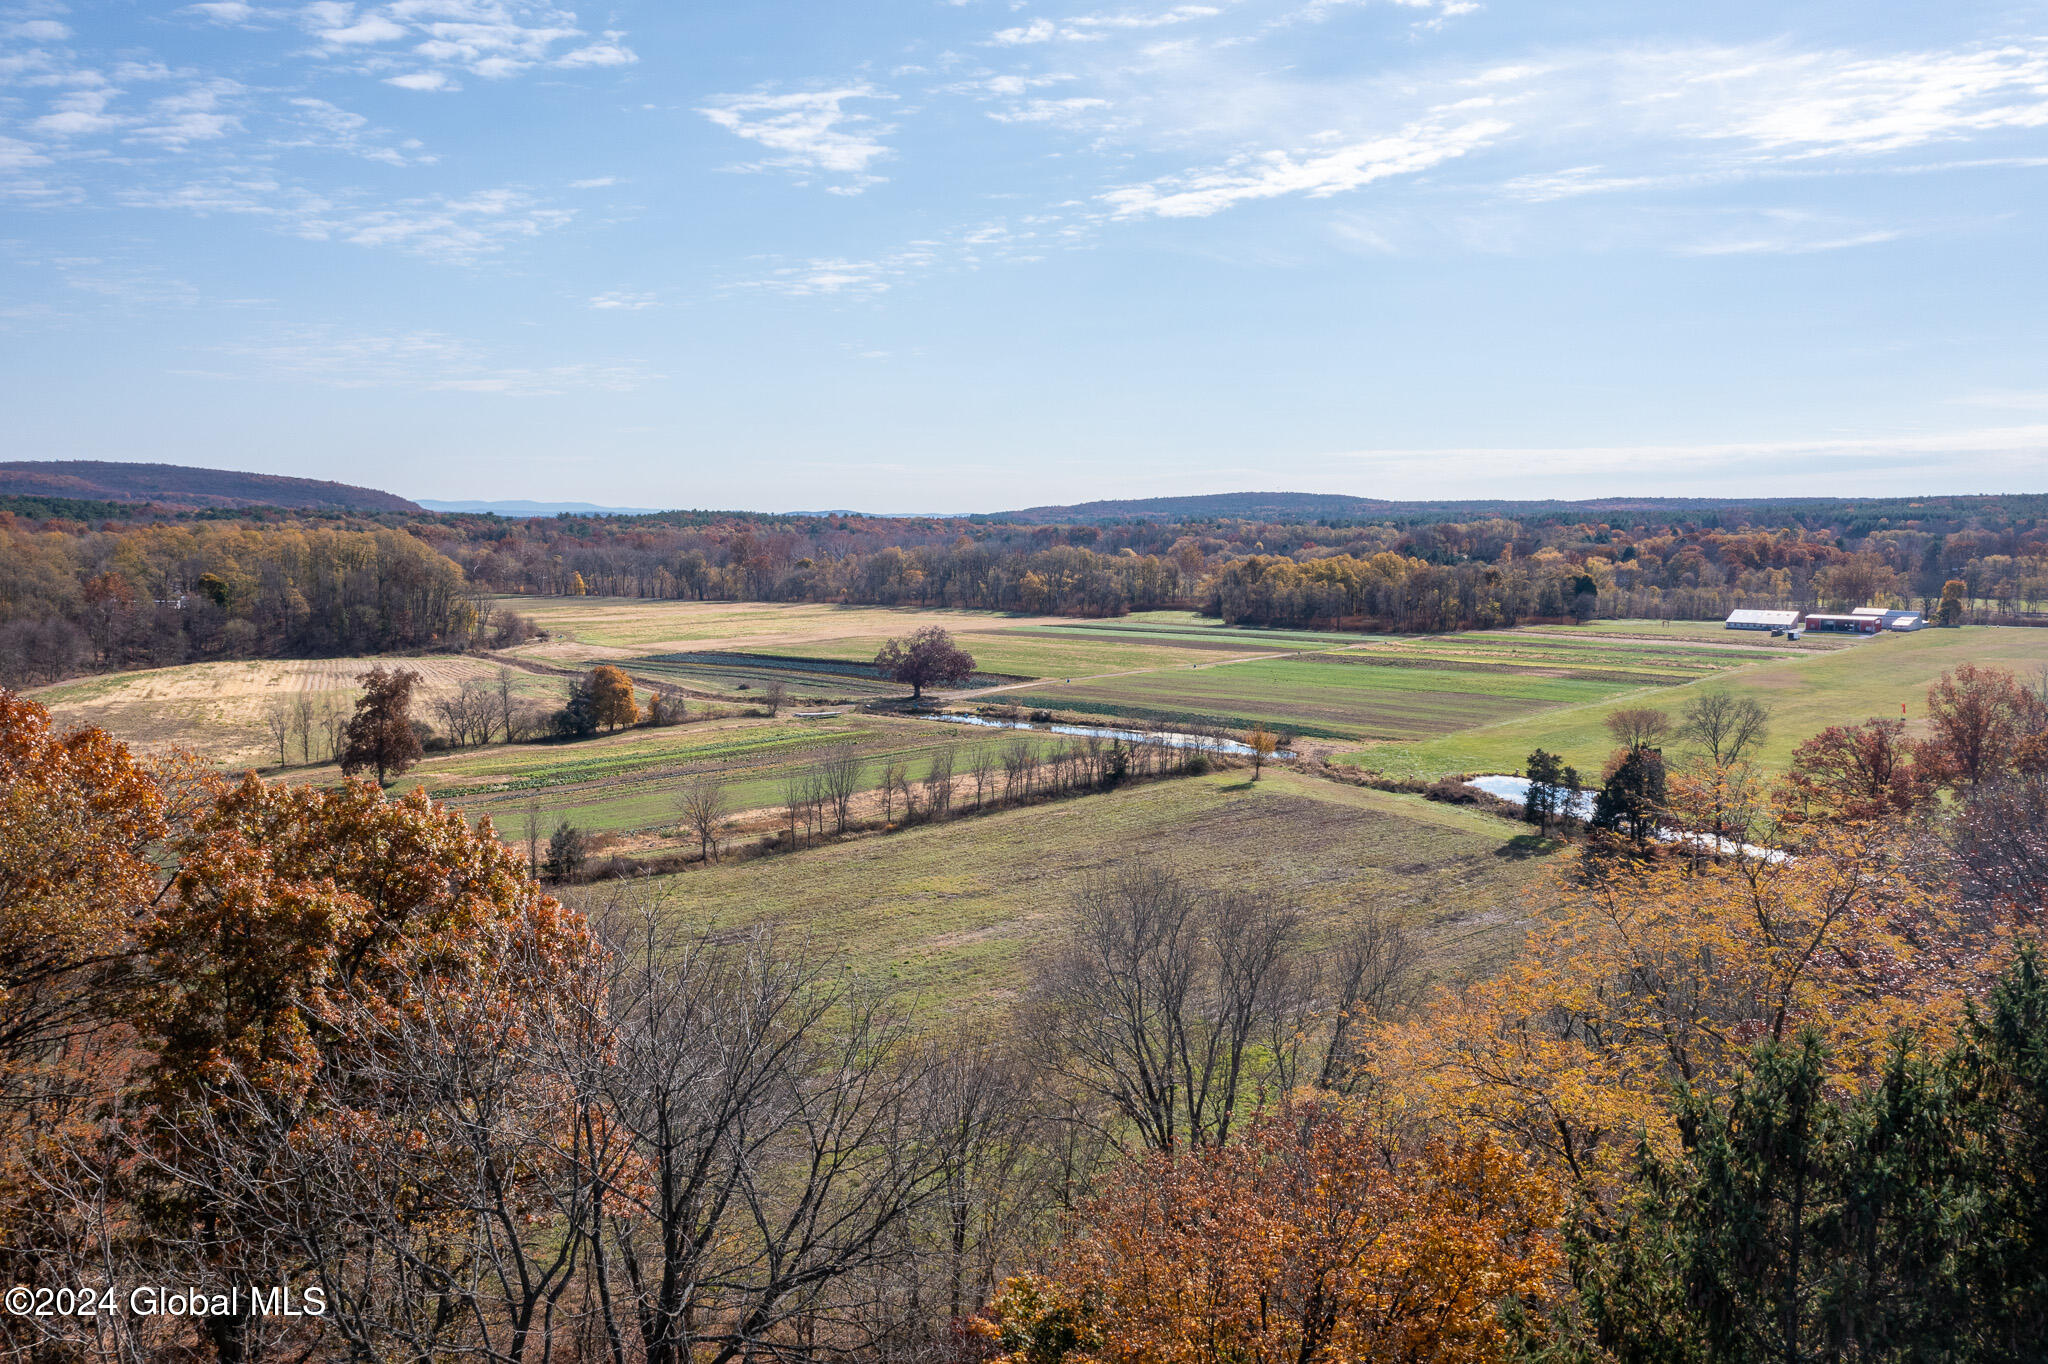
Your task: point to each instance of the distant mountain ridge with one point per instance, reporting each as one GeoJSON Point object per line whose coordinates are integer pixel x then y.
{"type": "Point", "coordinates": [1283, 507]}
{"type": "Point", "coordinates": [519, 507]}
{"type": "Point", "coordinates": [182, 488]}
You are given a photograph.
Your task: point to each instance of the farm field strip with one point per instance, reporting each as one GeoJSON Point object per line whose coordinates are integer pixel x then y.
{"type": "Point", "coordinates": [958, 911]}
{"type": "Point", "coordinates": [1327, 695]}
{"type": "Point", "coordinates": [635, 625]}
{"type": "Point", "coordinates": [1841, 686]}
{"type": "Point", "coordinates": [627, 782]}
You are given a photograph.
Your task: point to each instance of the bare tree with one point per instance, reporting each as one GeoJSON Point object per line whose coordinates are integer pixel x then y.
{"type": "Point", "coordinates": [775, 696]}
{"type": "Point", "coordinates": [532, 832]}
{"type": "Point", "coordinates": [1163, 1000]}
{"type": "Point", "coordinates": [1375, 972]}
{"type": "Point", "coordinates": [705, 807]}
{"type": "Point", "coordinates": [305, 724]}
{"type": "Point", "coordinates": [1638, 726]}
{"type": "Point", "coordinates": [841, 775]}
{"type": "Point", "coordinates": [504, 698]}
{"type": "Point", "coordinates": [277, 722]}
{"type": "Point", "coordinates": [797, 788]}
{"type": "Point", "coordinates": [938, 784]}
{"type": "Point", "coordinates": [1725, 727]}
{"type": "Point", "coordinates": [1018, 761]}
{"type": "Point", "coordinates": [771, 1105]}
{"type": "Point", "coordinates": [982, 768]}
{"type": "Point", "coordinates": [469, 714]}
{"type": "Point", "coordinates": [892, 780]}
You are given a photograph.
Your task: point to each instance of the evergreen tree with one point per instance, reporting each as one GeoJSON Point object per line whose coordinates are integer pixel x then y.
{"type": "Point", "coordinates": [1631, 798]}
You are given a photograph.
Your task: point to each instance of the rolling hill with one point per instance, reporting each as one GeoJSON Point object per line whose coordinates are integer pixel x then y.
{"type": "Point", "coordinates": [177, 487]}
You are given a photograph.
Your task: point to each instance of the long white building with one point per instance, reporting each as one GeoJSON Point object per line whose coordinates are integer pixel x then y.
{"type": "Point", "coordinates": [1763, 620]}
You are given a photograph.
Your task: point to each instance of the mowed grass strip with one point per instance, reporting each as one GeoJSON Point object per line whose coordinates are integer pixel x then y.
{"type": "Point", "coordinates": [959, 911]}
{"type": "Point", "coordinates": [1336, 695]}
{"type": "Point", "coordinates": [626, 783]}
{"type": "Point", "coordinates": [1806, 694]}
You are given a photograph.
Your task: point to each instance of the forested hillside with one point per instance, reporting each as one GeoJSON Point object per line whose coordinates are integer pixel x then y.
{"type": "Point", "coordinates": [180, 487]}
{"type": "Point", "coordinates": [83, 592]}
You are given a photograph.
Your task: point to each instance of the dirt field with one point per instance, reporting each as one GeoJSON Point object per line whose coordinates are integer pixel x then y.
{"type": "Point", "coordinates": [216, 709]}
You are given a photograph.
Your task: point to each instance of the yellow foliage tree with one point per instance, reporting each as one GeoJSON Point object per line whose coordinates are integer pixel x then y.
{"type": "Point", "coordinates": [1316, 1240]}
{"type": "Point", "coordinates": [611, 697]}
{"type": "Point", "coordinates": [1665, 970]}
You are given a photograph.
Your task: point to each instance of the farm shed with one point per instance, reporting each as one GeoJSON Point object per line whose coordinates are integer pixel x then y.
{"type": "Point", "coordinates": [1889, 618]}
{"type": "Point", "coordinates": [1845, 624]}
{"type": "Point", "coordinates": [1762, 620]}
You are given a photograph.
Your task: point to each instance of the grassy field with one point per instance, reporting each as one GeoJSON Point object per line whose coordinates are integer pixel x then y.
{"type": "Point", "coordinates": [1385, 690]}
{"type": "Point", "coordinates": [1839, 685]}
{"type": "Point", "coordinates": [216, 709]}
{"type": "Point", "coordinates": [957, 911]}
{"type": "Point", "coordinates": [625, 783]}
{"type": "Point", "coordinates": [613, 627]}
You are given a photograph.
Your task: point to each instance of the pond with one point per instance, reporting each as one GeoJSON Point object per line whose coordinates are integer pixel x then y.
{"type": "Point", "coordinates": [1167, 737]}
{"type": "Point", "coordinates": [1516, 789]}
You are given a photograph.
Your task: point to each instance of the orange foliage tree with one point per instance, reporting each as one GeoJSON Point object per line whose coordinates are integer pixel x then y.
{"type": "Point", "coordinates": [1313, 1241]}
{"type": "Point", "coordinates": [80, 822]}
{"type": "Point", "coordinates": [1980, 720]}
{"type": "Point", "coordinates": [611, 697]}
{"type": "Point", "coordinates": [1659, 971]}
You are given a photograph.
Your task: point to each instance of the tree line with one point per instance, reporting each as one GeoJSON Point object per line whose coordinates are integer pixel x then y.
{"type": "Point", "coordinates": [80, 595]}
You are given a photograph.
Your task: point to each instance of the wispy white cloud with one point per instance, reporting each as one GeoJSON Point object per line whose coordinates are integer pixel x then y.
{"type": "Point", "coordinates": [1082, 28]}
{"type": "Point", "coordinates": [1316, 173]}
{"type": "Point", "coordinates": [423, 360]}
{"type": "Point", "coordinates": [456, 230]}
{"type": "Point", "coordinates": [811, 131]}
{"type": "Point", "coordinates": [624, 302]}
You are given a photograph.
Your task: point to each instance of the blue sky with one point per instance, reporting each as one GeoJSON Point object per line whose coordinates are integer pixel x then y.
{"type": "Point", "coordinates": [918, 255]}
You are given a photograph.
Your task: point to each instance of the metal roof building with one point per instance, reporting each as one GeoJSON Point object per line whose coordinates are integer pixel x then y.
{"type": "Point", "coordinates": [1762, 620]}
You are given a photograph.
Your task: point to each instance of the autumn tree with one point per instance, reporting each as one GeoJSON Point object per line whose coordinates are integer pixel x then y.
{"type": "Point", "coordinates": [305, 932]}
{"type": "Point", "coordinates": [1262, 742]}
{"type": "Point", "coordinates": [1954, 601]}
{"type": "Point", "coordinates": [611, 697]}
{"type": "Point", "coordinates": [1318, 1239]}
{"type": "Point", "coordinates": [83, 826]}
{"type": "Point", "coordinates": [380, 735]}
{"type": "Point", "coordinates": [1854, 773]}
{"type": "Point", "coordinates": [1638, 726]}
{"type": "Point", "coordinates": [1652, 973]}
{"type": "Point", "coordinates": [1979, 720]}
{"type": "Point", "coordinates": [928, 658]}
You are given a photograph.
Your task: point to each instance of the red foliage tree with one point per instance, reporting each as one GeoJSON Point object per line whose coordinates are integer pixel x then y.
{"type": "Point", "coordinates": [928, 658]}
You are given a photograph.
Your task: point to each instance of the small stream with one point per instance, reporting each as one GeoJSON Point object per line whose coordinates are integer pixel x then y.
{"type": "Point", "coordinates": [1167, 737]}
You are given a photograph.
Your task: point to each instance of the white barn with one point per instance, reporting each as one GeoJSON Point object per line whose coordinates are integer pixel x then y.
{"type": "Point", "coordinates": [1762, 620]}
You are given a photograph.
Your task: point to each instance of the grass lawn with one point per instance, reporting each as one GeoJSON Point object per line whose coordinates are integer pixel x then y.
{"type": "Point", "coordinates": [958, 911]}
{"type": "Point", "coordinates": [1806, 693]}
